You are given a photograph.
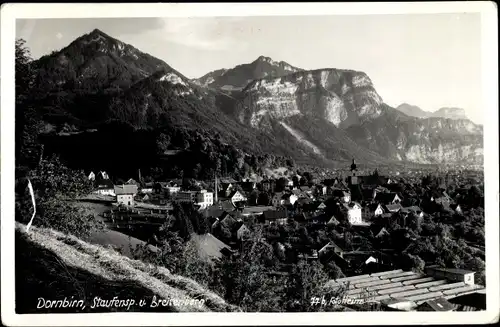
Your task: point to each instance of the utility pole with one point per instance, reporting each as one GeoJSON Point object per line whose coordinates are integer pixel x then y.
{"type": "Point", "coordinates": [216, 189]}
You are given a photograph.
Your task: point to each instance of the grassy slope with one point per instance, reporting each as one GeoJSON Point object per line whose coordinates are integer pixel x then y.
{"type": "Point", "coordinates": [53, 265]}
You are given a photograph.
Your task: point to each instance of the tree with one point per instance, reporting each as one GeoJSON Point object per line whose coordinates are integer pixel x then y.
{"type": "Point", "coordinates": [306, 280]}
{"type": "Point", "coordinates": [281, 183]}
{"type": "Point", "coordinates": [56, 189]}
{"type": "Point", "coordinates": [414, 223]}
{"type": "Point", "coordinates": [412, 262]}
{"type": "Point", "coordinates": [172, 249]}
{"type": "Point", "coordinates": [245, 280]}
{"type": "Point", "coordinates": [162, 143]}
{"type": "Point", "coordinates": [28, 122]}
{"type": "Point", "coordinates": [264, 199]}
{"type": "Point", "coordinates": [253, 198]}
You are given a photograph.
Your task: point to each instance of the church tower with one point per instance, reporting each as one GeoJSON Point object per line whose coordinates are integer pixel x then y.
{"type": "Point", "coordinates": [353, 177]}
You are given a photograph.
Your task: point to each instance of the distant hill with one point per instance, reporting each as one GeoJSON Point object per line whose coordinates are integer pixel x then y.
{"type": "Point", "coordinates": [413, 111]}
{"type": "Point", "coordinates": [449, 113]}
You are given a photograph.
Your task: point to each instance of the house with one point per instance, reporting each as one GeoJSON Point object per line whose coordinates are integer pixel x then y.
{"type": "Point", "coordinates": [125, 194]}
{"type": "Point", "coordinates": [342, 195]}
{"type": "Point", "coordinates": [439, 304]}
{"type": "Point", "coordinates": [147, 188]}
{"type": "Point", "coordinates": [331, 247]}
{"type": "Point", "coordinates": [379, 189]}
{"type": "Point", "coordinates": [236, 196]}
{"type": "Point", "coordinates": [382, 233]}
{"type": "Point", "coordinates": [391, 208]}
{"type": "Point", "coordinates": [353, 212]}
{"type": "Point", "coordinates": [172, 189]}
{"type": "Point", "coordinates": [254, 210]}
{"type": "Point", "coordinates": [268, 185]}
{"type": "Point", "coordinates": [303, 203]}
{"type": "Point", "coordinates": [413, 209]}
{"type": "Point", "coordinates": [469, 302]}
{"type": "Point", "coordinates": [204, 198]}
{"type": "Point", "coordinates": [358, 259]}
{"type": "Point", "coordinates": [91, 176]}
{"type": "Point", "coordinates": [320, 190]}
{"type": "Point", "coordinates": [452, 274]}
{"type": "Point", "coordinates": [387, 198]}
{"type": "Point", "coordinates": [376, 209]}
{"type": "Point", "coordinates": [226, 189]}
{"type": "Point", "coordinates": [242, 232]}
{"type": "Point", "coordinates": [186, 196]}
{"type": "Point", "coordinates": [317, 218]}
{"type": "Point", "coordinates": [276, 200]}
{"type": "Point", "coordinates": [289, 199]}
{"type": "Point", "coordinates": [105, 187]}
{"type": "Point", "coordinates": [145, 198]}
{"type": "Point", "coordinates": [102, 175]}
{"type": "Point", "coordinates": [333, 221]}
{"type": "Point", "coordinates": [279, 217]}
{"type": "Point", "coordinates": [227, 220]}
{"type": "Point", "coordinates": [318, 207]}
{"type": "Point", "coordinates": [440, 197]}
{"type": "Point", "coordinates": [300, 194]}
{"type": "Point", "coordinates": [227, 205]}
{"type": "Point", "coordinates": [306, 189]}
{"type": "Point", "coordinates": [132, 181]}
{"type": "Point", "coordinates": [456, 208]}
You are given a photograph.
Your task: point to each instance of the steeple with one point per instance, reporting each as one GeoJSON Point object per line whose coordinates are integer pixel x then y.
{"type": "Point", "coordinates": [353, 179]}
{"type": "Point", "coordinates": [353, 166]}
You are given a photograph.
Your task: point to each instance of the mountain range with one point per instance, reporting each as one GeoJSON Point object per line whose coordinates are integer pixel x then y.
{"type": "Point", "coordinates": [446, 112]}
{"type": "Point", "coordinates": [266, 106]}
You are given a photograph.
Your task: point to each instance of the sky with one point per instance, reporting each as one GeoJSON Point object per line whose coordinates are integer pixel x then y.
{"type": "Point", "coordinates": [428, 60]}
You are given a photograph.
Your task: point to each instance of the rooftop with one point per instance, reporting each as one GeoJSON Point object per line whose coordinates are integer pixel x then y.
{"type": "Point", "coordinates": [403, 285]}
{"type": "Point", "coordinates": [125, 189]}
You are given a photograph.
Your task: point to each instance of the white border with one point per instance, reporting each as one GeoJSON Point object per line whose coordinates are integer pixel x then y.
{"type": "Point", "coordinates": [488, 10]}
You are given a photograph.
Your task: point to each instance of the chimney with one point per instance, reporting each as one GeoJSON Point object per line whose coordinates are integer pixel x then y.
{"type": "Point", "coordinates": [216, 190]}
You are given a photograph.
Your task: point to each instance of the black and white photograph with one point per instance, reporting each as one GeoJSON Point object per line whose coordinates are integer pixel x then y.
{"type": "Point", "coordinates": [252, 159]}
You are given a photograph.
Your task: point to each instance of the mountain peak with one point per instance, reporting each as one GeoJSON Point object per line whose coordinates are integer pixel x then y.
{"type": "Point", "coordinates": [265, 59]}
{"type": "Point", "coordinates": [98, 32]}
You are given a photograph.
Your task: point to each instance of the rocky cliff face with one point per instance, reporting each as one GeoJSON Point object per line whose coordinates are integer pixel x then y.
{"type": "Point", "coordinates": [429, 140]}
{"type": "Point", "coordinates": [342, 97]}
{"type": "Point", "coordinates": [449, 113]}
{"type": "Point", "coordinates": [452, 113]}
{"type": "Point", "coordinates": [348, 100]}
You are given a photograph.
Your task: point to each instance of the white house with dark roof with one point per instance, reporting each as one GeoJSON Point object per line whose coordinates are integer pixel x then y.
{"type": "Point", "coordinates": [204, 198]}
{"type": "Point", "coordinates": [236, 196]}
{"type": "Point", "coordinates": [353, 211]}
{"type": "Point", "coordinates": [104, 187]}
{"type": "Point", "coordinates": [125, 194]}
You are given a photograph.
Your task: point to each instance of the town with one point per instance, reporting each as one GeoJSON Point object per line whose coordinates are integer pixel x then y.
{"type": "Point", "coordinates": [363, 224]}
